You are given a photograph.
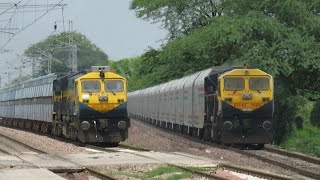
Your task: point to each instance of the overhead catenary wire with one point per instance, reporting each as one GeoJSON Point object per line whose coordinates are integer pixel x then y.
{"type": "Point", "coordinates": [32, 11]}
{"type": "Point", "coordinates": [37, 19]}
{"type": "Point", "coordinates": [13, 13]}
{"type": "Point", "coordinates": [15, 5]}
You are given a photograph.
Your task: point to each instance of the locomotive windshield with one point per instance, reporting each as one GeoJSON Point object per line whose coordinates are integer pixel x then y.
{"type": "Point", "coordinates": [114, 86]}
{"type": "Point", "coordinates": [234, 84]}
{"type": "Point", "coordinates": [90, 86]}
{"type": "Point", "coordinates": [259, 83]}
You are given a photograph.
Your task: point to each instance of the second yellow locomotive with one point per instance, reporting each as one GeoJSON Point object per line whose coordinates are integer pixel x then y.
{"type": "Point", "coordinates": [223, 104]}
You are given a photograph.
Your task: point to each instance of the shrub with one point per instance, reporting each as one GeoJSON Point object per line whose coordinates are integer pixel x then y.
{"type": "Point", "coordinates": [315, 114]}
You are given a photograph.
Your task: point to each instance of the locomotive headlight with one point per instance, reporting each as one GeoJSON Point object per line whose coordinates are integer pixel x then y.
{"type": "Point", "coordinates": [265, 99]}
{"type": "Point", "coordinates": [85, 125]}
{"type": "Point", "coordinates": [267, 125]}
{"type": "Point", "coordinates": [228, 99]}
{"type": "Point", "coordinates": [122, 125]}
{"type": "Point", "coordinates": [120, 100]}
{"type": "Point", "coordinates": [227, 125]}
{"type": "Point", "coordinates": [85, 96]}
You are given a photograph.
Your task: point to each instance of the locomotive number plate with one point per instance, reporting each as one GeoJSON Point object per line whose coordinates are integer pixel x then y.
{"type": "Point", "coordinates": [247, 105]}
{"type": "Point", "coordinates": [108, 106]}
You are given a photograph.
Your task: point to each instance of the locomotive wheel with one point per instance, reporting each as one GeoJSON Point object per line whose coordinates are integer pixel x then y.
{"type": "Point", "coordinates": [113, 144]}
{"type": "Point", "coordinates": [194, 132]}
{"type": "Point", "coordinates": [15, 123]}
{"type": "Point", "coordinates": [28, 125]}
{"type": "Point", "coordinates": [219, 137]}
{"type": "Point", "coordinates": [44, 128]}
{"type": "Point", "coordinates": [57, 131]}
{"type": "Point", "coordinates": [260, 146]}
{"type": "Point", "coordinates": [36, 127]}
{"type": "Point", "coordinates": [21, 124]}
{"type": "Point", "coordinates": [73, 133]}
{"type": "Point", "coordinates": [207, 133]}
{"type": "Point", "coordinates": [10, 122]}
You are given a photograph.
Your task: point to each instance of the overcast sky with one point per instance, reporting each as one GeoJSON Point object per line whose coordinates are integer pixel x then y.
{"type": "Point", "coordinates": [108, 23]}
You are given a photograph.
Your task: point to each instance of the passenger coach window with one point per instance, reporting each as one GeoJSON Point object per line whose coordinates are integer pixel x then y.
{"type": "Point", "coordinates": [90, 86]}
{"type": "Point", "coordinates": [259, 83]}
{"type": "Point", "coordinates": [114, 86]}
{"type": "Point", "coordinates": [234, 84]}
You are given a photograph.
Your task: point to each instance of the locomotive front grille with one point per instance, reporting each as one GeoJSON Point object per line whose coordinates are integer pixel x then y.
{"type": "Point", "coordinates": [247, 123]}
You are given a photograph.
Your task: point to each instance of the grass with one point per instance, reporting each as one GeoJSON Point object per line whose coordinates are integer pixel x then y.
{"type": "Point", "coordinates": [179, 176]}
{"type": "Point", "coordinates": [306, 141]}
{"type": "Point", "coordinates": [169, 170]}
{"type": "Point", "coordinates": [159, 173]}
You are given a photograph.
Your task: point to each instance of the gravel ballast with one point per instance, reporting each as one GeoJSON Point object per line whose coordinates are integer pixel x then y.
{"type": "Point", "coordinates": [43, 142]}
{"type": "Point", "coordinates": [148, 136]}
{"type": "Point", "coordinates": [154, 138]}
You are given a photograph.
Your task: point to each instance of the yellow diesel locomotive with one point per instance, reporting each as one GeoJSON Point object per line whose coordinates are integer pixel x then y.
{"type": "Point", "coordinates": [244, 109]}
{"type": "Point", "coordinates": [91, 106]}
{"type": "Point", "coordinates": [87, 106]}
{"type": "Point", "coordinates": [227, 105]}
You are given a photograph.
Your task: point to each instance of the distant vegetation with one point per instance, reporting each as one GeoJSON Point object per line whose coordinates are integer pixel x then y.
{"type": "Point", "coordinates": [88, 54]}
{"type": "Point", "coordinates": [280, 37]}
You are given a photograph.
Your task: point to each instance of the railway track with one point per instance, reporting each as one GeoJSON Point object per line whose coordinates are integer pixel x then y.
{"type": "Point", "coordinates": [20, 146]}
{"type": "Point", "coordinates": [304, 165]}
{"type": "Point", "coordinates": [61, 170]}
{"type": "Point", "coordinates": [101, 175]}
{"type": "Point", "coordinates": [293, 154]}
{"type": "Point", "coordinates": [200, 173]}
{"type": "Point", "coordinates": [253, 172]}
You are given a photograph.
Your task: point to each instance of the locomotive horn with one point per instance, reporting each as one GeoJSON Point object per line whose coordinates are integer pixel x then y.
{"type": "Point", "coordinates": [101, 72]}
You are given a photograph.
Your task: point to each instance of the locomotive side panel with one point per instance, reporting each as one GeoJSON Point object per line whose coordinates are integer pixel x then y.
{"type": "Point", "coordinates": [189, 100]}
{"type": "Point", "coordinates": [180, 100]}
{"type": "Point", "coordinates": [199, 99]}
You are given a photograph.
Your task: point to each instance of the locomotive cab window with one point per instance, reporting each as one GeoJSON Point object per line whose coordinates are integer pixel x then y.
{"type": "Point", "coordinates": [234, 84]}
{"type": "Point", "coordinates": [90, 86]}
{"type": "Point", "coordinates": [259, 83]}
{"type": "Point", "coordinates": [114, 86]}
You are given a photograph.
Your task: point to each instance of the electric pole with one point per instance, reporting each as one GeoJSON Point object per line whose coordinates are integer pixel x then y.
{"type": "Point", "coordinates": [73, 50]}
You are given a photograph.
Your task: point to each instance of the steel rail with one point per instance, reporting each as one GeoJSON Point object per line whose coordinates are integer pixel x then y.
{"type": "Point", "coordinates": [127, 146]}
{"type": "Point", "coordinates": [277, 163]}
{"type": "Point", "coordinates": [292, 154]}
{"type": "Point", "coordinates": [100, 174]}
{"type": "Point", "coordinates": [253, 172]}
{"type": "Point", "coordinates": [243, 152]}
{"type": "Point", "coordinates": [24, 144]}
{"type": "Point", "coordinates": [211, 176]}
{"type": "Point", "coordinates": [61, 170]}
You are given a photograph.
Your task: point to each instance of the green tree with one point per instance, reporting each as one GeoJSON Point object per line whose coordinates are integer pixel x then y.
{"type": "Point", "coordinates": [315, 114]}
{"type": "Point", "coordinates": [280, 37]}
{"type": "Point", "coordinates": [19, 79]}
{"type": "Point", "coordinates": [179, 17]}
{"type": "Point", "coordinates": [57, 46]}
